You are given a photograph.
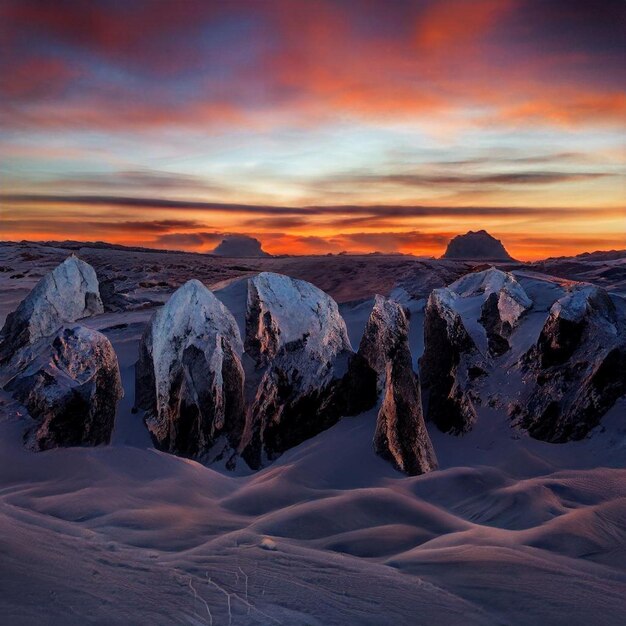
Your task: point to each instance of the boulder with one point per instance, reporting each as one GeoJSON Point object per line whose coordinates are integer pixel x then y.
{"type": "Point", "coordinates": [401, 436]}
{"type": "Point", "coordinates": [577, 369]}
{"type": "Point", "coordinates": [189, 377]}
{"type": "Point", "coordinates": [504, 302]}
{"type": "Point", "coordinates": [450, 363]}
{"type": "Point", "coordinates": [71, 388]}
{"type": "Point", "coordinates": [309, 375]}
{"type": "Point", "coordinates": [67, 294]}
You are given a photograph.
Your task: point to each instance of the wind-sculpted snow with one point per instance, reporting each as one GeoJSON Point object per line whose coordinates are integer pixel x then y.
{"type": "Point", "coordinates": [401, 436]}
{"type": "Point", "coordinates": [68, 293]}
{"type": "Point", "coordinates": [189, 377]}
{"type": "Point", "coordinates": [310, 375]}
{"type": "Point", "coordinates": [71, 389]}
{"type": "Point", "coordinates": [577, 369]}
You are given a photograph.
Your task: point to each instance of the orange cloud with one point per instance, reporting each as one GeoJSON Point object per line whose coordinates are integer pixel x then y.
{"type": "Point", "coordinates": [452, 24]}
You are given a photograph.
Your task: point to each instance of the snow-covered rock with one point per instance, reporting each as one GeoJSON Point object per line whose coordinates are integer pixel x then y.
{"type": "Point", "coordinates": [577, 369]}
{"type": "Point", "coordinates": [479, 245]}
{"type": "Point", "coordinates": [69, 293]}
{"type": "Point", "coordinates": [512, 300]}
{"type": "Point", "coordinates": [504, 303]}
{"type": "Point", "coordinates": [282, 310]}
{"type": "Point", "coordinates": [401, 436]}
{"type": "Point", "coordinates": [71, 389]}
{"type": "Point", "coordinates": [309, 375]}
{"type": "Point", "coordinates": [449, 365]}
{"type": "Point", "coordinates": [189, 378]}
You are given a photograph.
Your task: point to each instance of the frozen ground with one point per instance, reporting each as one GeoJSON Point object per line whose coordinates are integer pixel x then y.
{"type": "Point", "coordinates": [510, 530]}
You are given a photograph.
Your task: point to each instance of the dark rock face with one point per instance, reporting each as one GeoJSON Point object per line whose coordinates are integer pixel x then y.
{"type": "Point", "coordinates": [456, 356]}
{"type": "Point", "coordinates": [479, 245]}
{"type": "Point", "coordinates": [189, 378]}
{"type": "Point", "coordinates": [577, 369]}
{"type": "Point", "coordinates": [497, 330]}
{"type": "Point", "coordinates": [69, 293]}
{"type": "Point", "coordinates": [449, 363]}
{"type": "Point", "coordinates": [401, 436]}
{"type": "Point", "coordinates": [504, 303]}
{"type": "Point", "coordinates": [71, 389]}
{"type": "Point", "coordinates": [309, 375]}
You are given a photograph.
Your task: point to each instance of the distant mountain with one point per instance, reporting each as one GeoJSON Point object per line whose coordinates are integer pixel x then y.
{"type": "Point", "coordinates": [477, 246]}
{"type": "Point", "coordinates": [240, 246]}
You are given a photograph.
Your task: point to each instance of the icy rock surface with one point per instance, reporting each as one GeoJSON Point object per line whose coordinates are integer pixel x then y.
{"type": "Point", "coordinates": [69, 293]}
{"type": "Point", "coordinates": [577, 369]}
{"type": "Point", "coordinates": [283, 310]}
{"type": "Point", "coordinates": [512, 300]}
{"type": "Point", "coordinates": [71, 389]}
{"type": "Point", "coordinates": [401, 436]}
{"type": "Point", "coordinates": [476, 245]}
{"type": "Point", "coordinates": [504, 303]}
{"type": "Point", "coordinates": [189, 378]}
{"type": "Point", "coordinates": [310, 376]}
{"type": "Point", "coordinates": [450, 362]}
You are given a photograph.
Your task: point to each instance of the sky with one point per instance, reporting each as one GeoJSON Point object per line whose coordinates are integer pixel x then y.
{"type": "Point", "coordinates": [316, 126]}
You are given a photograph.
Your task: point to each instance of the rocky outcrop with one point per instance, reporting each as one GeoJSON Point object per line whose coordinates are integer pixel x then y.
{"type": "Point", "coordinates": [577, 369]}
{"type": "Point", "coordinates": [71, 389]}
{"type": "Point", "coordinates": [309, 375]}
{"type": "Point", "coordinates": [69, 293]}
{"type": "Point", "coordinates": [451, 361]}
{"type": "Point", "coordinates": [401, 436]}
{"type": "Point", "coordinates": [504, 303]}
{"type": "Point", "coordinates": [67, 376]}
{"type": "Point", "coordinates": [476, 246]}
{"type": "Point", "coordinates": [240, 246]}
{"type": "Point", "coordinates": [466, 325]}
{"type": "Point", "coordinates": [189, 377]}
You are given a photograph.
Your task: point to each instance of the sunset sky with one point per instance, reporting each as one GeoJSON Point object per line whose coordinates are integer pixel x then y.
{"type": "Point", "coordinates": [316, 126]}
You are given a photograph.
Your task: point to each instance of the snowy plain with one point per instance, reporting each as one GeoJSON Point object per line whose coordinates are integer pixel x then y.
{"type": "Point", "coordinates": [509, 530]}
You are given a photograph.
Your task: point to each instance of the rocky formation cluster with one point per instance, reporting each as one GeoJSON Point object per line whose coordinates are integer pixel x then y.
{"type": "Point", "coordinates": [570, 377]}
{"type": "Point", "coordinates": [302, 375]}
{"type": "Point", "coordinates": [66, 375]}
{"type": "Point", "coordinates": [191, 382]}
{"type": "Point", "coordinates": [207, 393]}
{"type": "Point", "coordinates": [577, 369]}
{"type": "Point", "coordinates": [453, 359]}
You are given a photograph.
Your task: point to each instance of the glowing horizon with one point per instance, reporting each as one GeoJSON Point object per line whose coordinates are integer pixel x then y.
{"type": "Point", "coordinates": [315, 127]}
